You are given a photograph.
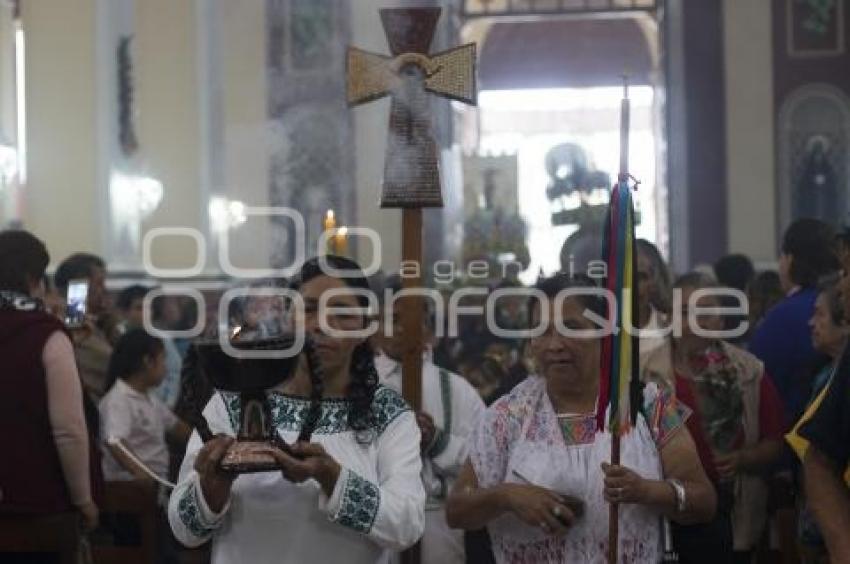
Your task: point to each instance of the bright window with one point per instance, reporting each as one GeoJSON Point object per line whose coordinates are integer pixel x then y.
{"type": "Point", "coordinates": [529, 123]}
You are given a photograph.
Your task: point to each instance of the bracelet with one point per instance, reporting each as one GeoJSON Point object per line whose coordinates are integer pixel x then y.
{"type": "Point", "coordinates": [679, 491]}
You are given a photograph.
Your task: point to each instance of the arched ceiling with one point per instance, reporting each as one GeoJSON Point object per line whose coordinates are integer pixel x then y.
{"type": "Point", "coordinates": [565, 53]}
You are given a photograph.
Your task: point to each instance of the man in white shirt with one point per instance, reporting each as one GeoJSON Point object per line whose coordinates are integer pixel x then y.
{"type": "Point", "coordinates": [451, 408]}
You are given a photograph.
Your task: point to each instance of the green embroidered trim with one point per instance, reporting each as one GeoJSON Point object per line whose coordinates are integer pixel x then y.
{"type": "Point", "coordinates": [441, 439]}
{"type": "Point", "coordinates": [189, 511]}
{"type": "Point", "coordinates": [386, 407]}
{"type": "Point", "coordinates": [289, 413]}
{"type": "Point", "coordinates": [359, 504]}
{"type": "Point", "coordinates": [234, 408]}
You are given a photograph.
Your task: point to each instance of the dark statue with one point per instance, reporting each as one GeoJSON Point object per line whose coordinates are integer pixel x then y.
{"type": "Point", "coordinates": [816, 192]}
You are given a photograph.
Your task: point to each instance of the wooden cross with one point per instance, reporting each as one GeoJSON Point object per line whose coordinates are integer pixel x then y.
{"type": "Point", "coordinates": [411, 173]}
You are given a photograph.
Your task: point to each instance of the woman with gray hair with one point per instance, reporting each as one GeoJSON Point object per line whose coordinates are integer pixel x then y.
{"type": "Point", "coordinates": [829, 337]}
{"type": "Point", "coordinates": [736, 423]}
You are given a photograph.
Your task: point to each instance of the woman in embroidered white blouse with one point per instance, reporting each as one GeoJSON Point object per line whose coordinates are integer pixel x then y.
{"type": "Point", "coordinates": [537, 474]}
{"type": "Point", "coordinates": [356, 496]}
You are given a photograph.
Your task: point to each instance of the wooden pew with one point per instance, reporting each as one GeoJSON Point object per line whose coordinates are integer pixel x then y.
{"type": "Point", "coordinates": [139, 500]}
{"type": "Point", "coordinates": [56, 535]}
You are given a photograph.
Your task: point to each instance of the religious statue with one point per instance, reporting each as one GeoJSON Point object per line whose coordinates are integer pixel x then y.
{"type": "Point", "coordinates": [495, 235]}
{"type": "Point", "coordinates": [572, 173]}
{"type": "Point", "coordinates": [254, 420]}
{"type": "Point", "coordinates": [250, 378]}
{"type": "Point", "coordinates": [816, 191]}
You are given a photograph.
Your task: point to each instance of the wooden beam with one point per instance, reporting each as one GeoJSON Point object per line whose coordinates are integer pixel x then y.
{"type": "Point", "coordinates": [412, 308]}
{"type": "Point", "coordinates": [411, 320]}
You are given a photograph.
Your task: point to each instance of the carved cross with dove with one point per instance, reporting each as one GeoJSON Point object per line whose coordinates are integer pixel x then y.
{"type": "Point", "coordinates": [411, 173]}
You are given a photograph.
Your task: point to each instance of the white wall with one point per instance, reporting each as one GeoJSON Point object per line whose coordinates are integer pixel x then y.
{"type": "Point", "coordinates": [7, 71]}
{"type": "Point", "coordinates": [168, 121]}
{"type": "Point", "coordinates": [242, 48]}
{"type": "Point", "coordinates": [72, 116]}
{"type": "Point", "coordinates": [750, 142]}
{"type": "Point", "coordinates": [9, 209]}
{"type": "Point", "coordinates": [71, 120]}
{"type": "Point", "coordinates": [200, 99]}
{"type": "Point", "coordinates": [61, 199]}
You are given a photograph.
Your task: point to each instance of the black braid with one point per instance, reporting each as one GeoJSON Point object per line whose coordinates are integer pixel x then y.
{"type": "Point", "coordinates": [317, 391]}
{"type": "Point", "coordinates": [361, 392]}
{"type": "Point", "coordinates": [364, 377]}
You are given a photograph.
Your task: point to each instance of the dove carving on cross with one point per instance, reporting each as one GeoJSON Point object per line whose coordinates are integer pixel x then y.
{"type": "Point", "coordinates": [411, 172]}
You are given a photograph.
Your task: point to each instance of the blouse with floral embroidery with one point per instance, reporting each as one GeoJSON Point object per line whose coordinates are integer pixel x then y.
{"type": "Point", "coordinates": [377, 505]}
{"type": "Point", "coordinates": [522, 440]}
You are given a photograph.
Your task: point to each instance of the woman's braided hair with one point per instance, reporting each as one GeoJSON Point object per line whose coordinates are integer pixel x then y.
{"type": "Point", "coordinates": [317, 390]}
{"type": "Point", "coordinates": [364, 376]}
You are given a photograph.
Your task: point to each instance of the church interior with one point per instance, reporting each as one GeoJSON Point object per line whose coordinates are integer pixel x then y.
{"type": "Point", "coordinates": [123, 117]}
{"type": "Point", "coordinates": [199, 151]}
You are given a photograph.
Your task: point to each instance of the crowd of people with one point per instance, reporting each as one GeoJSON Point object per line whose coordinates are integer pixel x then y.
{"type": "Point", "coordinates": [738, 453]}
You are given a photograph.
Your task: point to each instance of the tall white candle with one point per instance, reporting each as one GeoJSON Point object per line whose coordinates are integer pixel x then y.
{"type": "Point", "coordinates": [624, 128]}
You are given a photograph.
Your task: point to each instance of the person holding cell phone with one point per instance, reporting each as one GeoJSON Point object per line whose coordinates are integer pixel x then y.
{"type": "Point", "coordinates": [81, 279]}
{"type": "Point", "coordinates": [538, 474]}
{"type": "Point", "coordinates": [46, 475]}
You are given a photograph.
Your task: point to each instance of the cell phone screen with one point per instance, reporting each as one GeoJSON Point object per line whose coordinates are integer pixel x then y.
{"type": "Point", "coordinates": [78, 292]}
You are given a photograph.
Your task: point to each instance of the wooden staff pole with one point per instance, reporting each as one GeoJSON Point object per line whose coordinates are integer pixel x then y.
{"type": "Point", "coordinates": [411, 308]}
{"type": "Point", "coordinates": [411, 321]}
{"type": "Point", "coordinates": [614, 508]}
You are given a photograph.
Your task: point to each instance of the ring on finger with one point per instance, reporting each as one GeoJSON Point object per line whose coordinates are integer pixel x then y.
{"type": "Point", "coordinates": [556, 511]}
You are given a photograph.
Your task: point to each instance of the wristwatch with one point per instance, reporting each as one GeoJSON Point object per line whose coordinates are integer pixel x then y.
{"type": "Point", "coordinates": [679, 490]}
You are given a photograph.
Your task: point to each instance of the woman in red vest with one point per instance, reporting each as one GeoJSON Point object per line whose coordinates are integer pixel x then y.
{"type": "Point", "coordinates": [41, 398]}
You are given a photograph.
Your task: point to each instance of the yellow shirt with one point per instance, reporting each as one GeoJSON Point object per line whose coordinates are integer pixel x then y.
{"type": "Point", "coordinates": [800, 445]}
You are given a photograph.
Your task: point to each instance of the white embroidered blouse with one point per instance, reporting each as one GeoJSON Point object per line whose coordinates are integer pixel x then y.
{"type": "Point", "coordinates": [521, 440]}
{"type": "Point", "coordinates": [376, 507]}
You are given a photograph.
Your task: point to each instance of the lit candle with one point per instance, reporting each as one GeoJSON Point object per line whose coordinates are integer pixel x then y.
{"type": "Point", "coordinates": [330, 221]}
{"type": "Point", "coordinates": [330, 227]}
{"type": "Point", "coordinates": [341, 241]}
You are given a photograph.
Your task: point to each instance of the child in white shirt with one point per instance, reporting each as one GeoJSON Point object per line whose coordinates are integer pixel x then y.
{"type": "Point", "coordinates": [133, 415]}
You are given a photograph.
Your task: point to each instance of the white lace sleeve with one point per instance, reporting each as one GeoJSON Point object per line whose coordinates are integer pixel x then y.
{"type": "Point", "coordinates": [490, 444]}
